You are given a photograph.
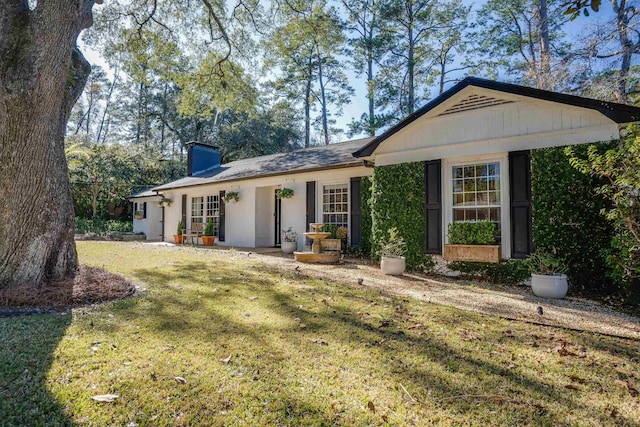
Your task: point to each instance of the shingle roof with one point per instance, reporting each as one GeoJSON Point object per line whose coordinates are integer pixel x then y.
{"type": "Point", "coordinates": [307, 159]}
{"type": "Point", "coordinates": [145, 193]}
{"type": "Point", "coordinates": [619, 113]}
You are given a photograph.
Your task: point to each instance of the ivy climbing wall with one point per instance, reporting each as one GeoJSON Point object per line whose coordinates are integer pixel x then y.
{"type": "Point", "coordinates": [397, 200]}
{"type": "Point", "coordinates": [567, 218]}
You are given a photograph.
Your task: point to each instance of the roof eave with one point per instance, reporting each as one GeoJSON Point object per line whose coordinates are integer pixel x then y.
{"type": "Point", "coordinates": [268, 175]}
{"type": "Point", "coordinates": [618, 113]}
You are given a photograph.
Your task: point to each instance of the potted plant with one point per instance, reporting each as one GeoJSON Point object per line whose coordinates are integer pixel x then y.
{"type": "Point", "coordinates": [178, 236]}
{"type": "Point", "coordinates": [289, 241]}
{"type": "Point", "coordinates": [284, 193]}
{"type": "Point", "coordinates": [472, 241]}
{"type": "Point", "coordinates": [547, 275]}
{"type": "Point", "coordinates": [231, 197]}
{"type": "Point", "coordinates": [207, 237]}
{"type": "Point", "coordinates": [164, 201]}
{"type": "Point", "coordinates": [392, 254]}
{"type": "Point", "coordinates": [332, 242]}
{"type": "Point", "coordinates": [138, 215]}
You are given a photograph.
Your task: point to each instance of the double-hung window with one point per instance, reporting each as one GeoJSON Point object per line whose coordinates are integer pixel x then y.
{"type": "Point", "coordinates": [197, 210]}
{"type": "Point", "coordinates": [477, 192]}
{"type": "Point", "coordinates": [335, 204]}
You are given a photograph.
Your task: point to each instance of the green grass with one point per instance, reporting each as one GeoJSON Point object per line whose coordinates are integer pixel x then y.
{"type": "Point", "coordinates": [303, 352]}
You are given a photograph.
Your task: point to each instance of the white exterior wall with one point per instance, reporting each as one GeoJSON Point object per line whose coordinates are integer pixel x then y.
{"type": "Point", "coordinates": [489, 134]}
{"type": "Point", "coordinates": [248, 223]}
{"type": "Point", "coordinates": [522, 124]}
{"type": "Point", "coordinates": [151, 226]}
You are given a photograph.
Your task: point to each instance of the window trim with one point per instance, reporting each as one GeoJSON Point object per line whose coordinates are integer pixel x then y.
{"type": "Point", "coordinates": [319, 200]}
{"type": "Point", "coordinates": [447, 199]}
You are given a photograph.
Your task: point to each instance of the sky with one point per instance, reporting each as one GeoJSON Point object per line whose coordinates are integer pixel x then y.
{"type": "Point", "coordinates": [359, 103]}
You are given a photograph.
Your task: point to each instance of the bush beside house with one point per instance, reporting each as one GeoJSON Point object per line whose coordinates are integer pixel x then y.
{"type": "Point", "coordinates": [567, 219]}
{"type": "Point", "coordinates": [397, 200]}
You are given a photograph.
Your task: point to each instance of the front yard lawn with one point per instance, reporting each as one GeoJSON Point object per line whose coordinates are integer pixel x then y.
{"type": "Point", "coordinates": [217, 338]}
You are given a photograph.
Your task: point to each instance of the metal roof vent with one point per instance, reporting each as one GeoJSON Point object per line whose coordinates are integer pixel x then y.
{"type": "Point", "coordinates": [474, 102]}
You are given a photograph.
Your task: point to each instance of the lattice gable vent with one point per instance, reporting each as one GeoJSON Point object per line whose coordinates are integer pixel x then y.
{"type": "Point", "coordinates": [474, 102]}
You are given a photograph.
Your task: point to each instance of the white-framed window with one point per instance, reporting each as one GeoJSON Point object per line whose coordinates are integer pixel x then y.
{"type": "Point", "coordinates": [476, 189]}
{"type": "Point", "coordinates": [197, 210]}
{"type": "Point", "coordinates": [335, 204]}
{"type": "Point", "coordinates": [213, 212]}
{"type": "Point", "coordinates": [476, 192]}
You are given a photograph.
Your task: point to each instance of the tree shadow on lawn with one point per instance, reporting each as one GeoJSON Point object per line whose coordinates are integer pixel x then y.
{"type": "Point", "coordinates": [27, 346]}
{"type": "Point", "coordinates": [424, 363]}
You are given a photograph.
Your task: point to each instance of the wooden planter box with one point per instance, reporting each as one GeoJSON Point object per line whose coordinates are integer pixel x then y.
{"type": "Point", "coordinates": [331, 245]}
{"type": "Point", "coordinates": [474, 253]}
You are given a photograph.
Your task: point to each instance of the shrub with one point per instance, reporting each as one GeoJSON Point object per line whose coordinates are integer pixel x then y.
{"type": "Point", "coordinates": [509, 272]}
{"type": "Point", "coordinates": [365, 203]}
{"type": "Point", "coordinates": [567, 219]}
{"type": "Point", "coordinates": [397, 200]}
{"type": "Point", "coordinates": [101, 226]}
{"type": "Point", "coordinates": [472, 233]}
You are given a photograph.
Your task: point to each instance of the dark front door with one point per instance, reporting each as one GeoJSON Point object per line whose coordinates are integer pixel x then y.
{"type": "Point", "coordinates": [277, 215]}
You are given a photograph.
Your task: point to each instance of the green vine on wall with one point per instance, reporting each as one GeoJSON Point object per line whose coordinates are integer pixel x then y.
{"type": "Point", "coordinates": [397, 200]}
{"type": "Point", "coordinates": [365, 203]}
{"type": "Point", "coordinates": [567, 219]}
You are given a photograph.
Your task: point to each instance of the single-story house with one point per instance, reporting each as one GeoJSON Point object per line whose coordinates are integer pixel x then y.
{"type": "Point", "coordinates": [474, 139]}
{"type": "Point", "coordinates": [325, 182]}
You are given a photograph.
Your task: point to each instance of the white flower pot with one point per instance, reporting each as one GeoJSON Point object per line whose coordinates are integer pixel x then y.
{"type": "Point", "coordinates": [288, 247]}
{"type": "Point", "coordinates": [393, 266]}
{"type": "Point", "coordinates": [549, 286]}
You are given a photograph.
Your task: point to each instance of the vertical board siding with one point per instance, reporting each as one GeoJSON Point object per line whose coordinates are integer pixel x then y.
{"type": "Point", "coordinates": [520, 203]}
{"type": "Point", "coordinates": [433, 207]}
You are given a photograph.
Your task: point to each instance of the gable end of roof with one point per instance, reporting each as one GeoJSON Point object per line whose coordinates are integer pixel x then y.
{"type": "Point", "coordinates": [618, 113]}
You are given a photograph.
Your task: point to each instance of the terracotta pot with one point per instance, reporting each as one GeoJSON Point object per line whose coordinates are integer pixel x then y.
{"type": "Point", "coordinates": [208, 240]}
{"type": "Point", "coordinates": [393, 266]}
{"type": "Point", "coordinates": [177, 238]}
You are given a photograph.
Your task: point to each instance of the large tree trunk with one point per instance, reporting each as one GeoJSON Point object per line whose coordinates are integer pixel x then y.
{"type": "Point", "coordinates": [41, 77]}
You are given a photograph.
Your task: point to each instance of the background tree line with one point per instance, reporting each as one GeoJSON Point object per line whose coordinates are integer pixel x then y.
{"type": "Point", "coordinates": [279, 74]}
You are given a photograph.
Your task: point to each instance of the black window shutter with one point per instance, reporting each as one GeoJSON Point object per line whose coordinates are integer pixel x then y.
{"type": "Point", "coordinates": [311, 203]}
{"type": "Point", "coordinates": [356, 212]}
{"type": "Point", "coordinates": [184, 209]}
{"type": "Point", "coordinates": [433, 207]}
{"type": "Point", "coordinates": [144, 210]}
{"type": "Point", "coordinates": [520, 203]}
{"type": "Point", "coordinates": [222, 218]}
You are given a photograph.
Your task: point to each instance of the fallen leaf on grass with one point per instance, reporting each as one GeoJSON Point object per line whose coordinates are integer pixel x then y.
{"type": "Point", "coordinates": [180, 380]}
{"type": "Point", "coordinates": [385, 418]}
{"type": "Point", "coordinates": [105, 397]}
{"type": "Point", "coordinates": [227, 359]}
{"type": "Point", "coordinates": [562, 351]}
{"type": "Point", "coordinates": [303, 326]}
{"type": "Point", "coordinates": [577, 379]}
{"type": "Point", "coordinates": [384, 324]}
{"type": "Point", "coordinates": [320, 341]}
{"type": "Point", "coordinates": [416, 326]}
{"type": "Point", "coordinates": [253, 298]}
{"type": "Point", "coordinates": [571, 387]}
{"type": "Point", "coordinates": [371, 406]}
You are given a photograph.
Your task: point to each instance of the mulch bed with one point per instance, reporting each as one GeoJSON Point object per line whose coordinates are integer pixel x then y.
{"type": "Point", "coordinates": [90, 285]}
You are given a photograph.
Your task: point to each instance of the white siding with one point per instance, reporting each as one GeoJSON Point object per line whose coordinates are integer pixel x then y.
{"type": "Point", "coordinates": [520, 125]}
{"type": "Point", "coordinates": [151, 226]}
{"type": "Point", "coordinates": [242, 219]}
